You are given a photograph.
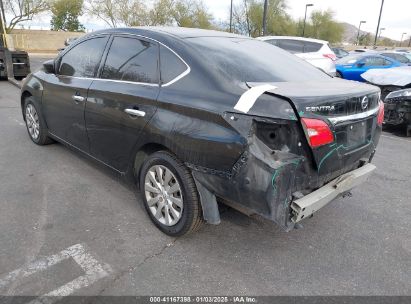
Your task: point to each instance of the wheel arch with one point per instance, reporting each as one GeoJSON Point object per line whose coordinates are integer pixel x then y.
{"type": "Point", "coordinates": [25, 94]}
{"type": "Point", "coordinates": [141, 155]}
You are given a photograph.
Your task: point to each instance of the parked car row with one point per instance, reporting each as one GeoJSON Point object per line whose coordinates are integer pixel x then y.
{"type": "Point", "coordinates": [317, 52]}
{"type": "Point", "coordinates": [395, 85]}
{"type": "Point", "coordinates": [193, 117]}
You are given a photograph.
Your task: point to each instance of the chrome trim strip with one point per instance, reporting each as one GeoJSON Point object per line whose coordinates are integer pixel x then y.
{"type": "Point", "coordinates": [111, 80]}
{"type": "Point", "coordinates": [357, 116]}
{"type": "Point", "coordinates": [125, 81]}
{"type": "Point", "coordinates": [177, 78]}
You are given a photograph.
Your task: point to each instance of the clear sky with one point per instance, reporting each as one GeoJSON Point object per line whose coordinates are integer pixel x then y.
{"type": "Point", "coordinates": [396, 17]}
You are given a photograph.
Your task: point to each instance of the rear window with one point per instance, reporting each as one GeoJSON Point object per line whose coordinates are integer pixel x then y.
{"type": "Point", "coordinates": [311, 46]}
{"type": "Point", "coordinates": [171, 65]}
{"type": "Point", "coordinates": [296, 46]}
{"type": "Point", "coordinates": [397, 57]}
{"type": "Point", "coordinates": [293, 46]}
{"type": "Point", "coordinates": [243, 59]}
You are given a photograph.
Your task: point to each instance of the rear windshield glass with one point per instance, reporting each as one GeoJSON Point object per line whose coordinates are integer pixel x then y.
{"type": "Point", "coordinates": [242, 59]}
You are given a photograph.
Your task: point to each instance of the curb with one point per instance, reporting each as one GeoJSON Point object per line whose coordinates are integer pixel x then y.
{"type": "Point", "coordinates": [14, 82]}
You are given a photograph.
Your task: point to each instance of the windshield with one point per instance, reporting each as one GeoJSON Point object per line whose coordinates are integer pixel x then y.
{"type": "Point", "coordinates": [350, 59]}
{"type": "Point", "coordinates": [244, 59]}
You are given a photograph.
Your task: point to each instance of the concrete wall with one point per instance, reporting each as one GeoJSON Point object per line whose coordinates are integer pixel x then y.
{"type": "Point", "coordinates": [39, 40]}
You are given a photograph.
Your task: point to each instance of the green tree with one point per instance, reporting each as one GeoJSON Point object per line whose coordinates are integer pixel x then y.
{"type": "Point", "coordinates": [161, 13]}
{"type": "Point", "coordinates": [65, 14]}
{"type": "Point", "coordinates": [187, 13]}
{"type": "Point", "coordinates": [365, 39]}
{"type": "Point", "coordinates": [248, 18]}
{"type": "Point", "coordinates": [323, 26]}
{"type": "Point", "coordinates": [192, 13]}
{"type": "Point", "coordinates": [386, 42]}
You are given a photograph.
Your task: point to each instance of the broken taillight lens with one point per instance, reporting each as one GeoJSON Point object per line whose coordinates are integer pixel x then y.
{"type": "Point", "coordinates": [318, 132]}
{"type": "Point", "coordinates": [380, 117]}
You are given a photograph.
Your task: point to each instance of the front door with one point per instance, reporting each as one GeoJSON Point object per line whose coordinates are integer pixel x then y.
{"type": "Point", "coordinates": [122, 101]}
{"type": "Point", "coordinates": [65, 93]}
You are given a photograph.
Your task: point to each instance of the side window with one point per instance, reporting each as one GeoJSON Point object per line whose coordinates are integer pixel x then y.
{"type": "Point", "coordinates": [374, 61]}
{"type": "Point", "coordinates": [84, 59]}
{"type": "Point", "coordinates": [272, 41]}
{"type": "Point", "coordinates": [293, 46]}
{"type": "Point", "coordinates": [312, 46]}
{"type": "Point", "coordinates": [171, 65]}
{"type": "Point", "coordinates": [397, 57]}
{"type": "Point", "coordinates": [131, 59]}
{"type": "Point", "coordinates": [387, 62]}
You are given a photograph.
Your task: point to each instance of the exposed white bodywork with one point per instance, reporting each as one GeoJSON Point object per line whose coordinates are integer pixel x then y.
{"type": "Point", "coordinates": [400, 76]}
{"type": "Point", "coordinates": [322, 58]}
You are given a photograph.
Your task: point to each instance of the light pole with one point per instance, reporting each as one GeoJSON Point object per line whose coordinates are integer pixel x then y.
{"type": "Point", "coordinates": [3, 42]}
{"type": "Point", "coordinates": [305, 16]}
{"type": "Point", "coordinates": [402, 36]}
{"type": "Point", "coordinates": [231, 17]}
{"type": "Point", "coordinates": [265, 17]}
{"type": "Point", "coordinates": [378, 25]}
{"type": "Point", "coordinates": [358, 35]}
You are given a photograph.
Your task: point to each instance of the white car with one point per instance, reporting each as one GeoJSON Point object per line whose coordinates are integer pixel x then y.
{"type": "Point", "coordinates": [317, 52]}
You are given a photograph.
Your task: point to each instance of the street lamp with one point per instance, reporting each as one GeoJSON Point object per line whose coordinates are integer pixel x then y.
{"type": "Point", "coordinates": [231, 17]}
{"type": "Point", "coordinates": [378, 25]}
{"type": "Point", "coordinates": [265, 17]}
{"type": "Point", "coordinates": [402, 36]}
{"type": "Point", "coordinates": [358, 35]}
{"type": "Point", "coordinates": [305, 16]}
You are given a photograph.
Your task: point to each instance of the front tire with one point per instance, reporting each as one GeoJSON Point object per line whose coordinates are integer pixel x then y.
{"type": "Point", "coordinates": [338, 75]}
{"type": "Point", "coordinates": [169, 194]}
{"type": "Point", "coordinates": [35, 123]}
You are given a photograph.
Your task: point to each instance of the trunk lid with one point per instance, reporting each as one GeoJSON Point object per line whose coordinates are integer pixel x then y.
{"type": "Point", "coordinates": [350, 110]}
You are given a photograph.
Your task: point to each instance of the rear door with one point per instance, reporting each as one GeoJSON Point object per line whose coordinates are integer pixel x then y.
{"type": "Point", "coordinates": [123, 99]}
{"type": "Point", "coordinates": [65, 92]}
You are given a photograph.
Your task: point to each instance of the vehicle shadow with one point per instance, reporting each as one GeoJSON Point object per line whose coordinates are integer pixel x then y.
{"type": "Point", "coordinates": [399, 131]}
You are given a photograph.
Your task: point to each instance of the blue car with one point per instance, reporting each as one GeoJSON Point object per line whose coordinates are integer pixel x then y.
{"type": "Point", "coordinates": [351, 67]}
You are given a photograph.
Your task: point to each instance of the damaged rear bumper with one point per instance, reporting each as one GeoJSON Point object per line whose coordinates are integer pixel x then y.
{"type": "Point", "coordinates": [307, 205]}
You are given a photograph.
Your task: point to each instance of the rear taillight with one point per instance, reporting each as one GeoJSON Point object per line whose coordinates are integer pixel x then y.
{"type": "Point", "coordinates": [380, 117]}
{"type": "Point", "coordinates": [318, 132]}
{"type": "Point", "coordinates": [331, 56]}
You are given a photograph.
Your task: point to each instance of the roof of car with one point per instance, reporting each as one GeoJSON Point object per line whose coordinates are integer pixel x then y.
{"type": "Point", "coordinates": [293, 37]}
{"type": "Point", "coordinates": [180, 32]}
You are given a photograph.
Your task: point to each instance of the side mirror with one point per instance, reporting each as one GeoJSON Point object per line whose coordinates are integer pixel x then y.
{"type": "Point", "coordinates": [360, 64]}
{"type": "Point", "coordinates": [49, 66]}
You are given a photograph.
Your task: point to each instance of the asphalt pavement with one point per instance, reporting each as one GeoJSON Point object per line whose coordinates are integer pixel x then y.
{"type": "Point", "coordinates": [70, 226]}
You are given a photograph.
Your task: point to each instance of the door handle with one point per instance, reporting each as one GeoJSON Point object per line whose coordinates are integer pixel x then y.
{"type": "Point", "coordinates": [78, 98]}
{"type": "Point", "coordinates": [134, 112]}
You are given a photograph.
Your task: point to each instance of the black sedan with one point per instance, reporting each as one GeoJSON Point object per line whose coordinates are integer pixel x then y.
{"type": "Point", "coordinates": [194, 117]}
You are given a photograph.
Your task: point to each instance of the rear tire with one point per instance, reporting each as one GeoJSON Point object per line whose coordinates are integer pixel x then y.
{"type": "Point", "coordinates": [35, 123]}
{"type": "Point", "coordinates": [339, 75]}
{"type": "Point", "coordinates": [170, 195]}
